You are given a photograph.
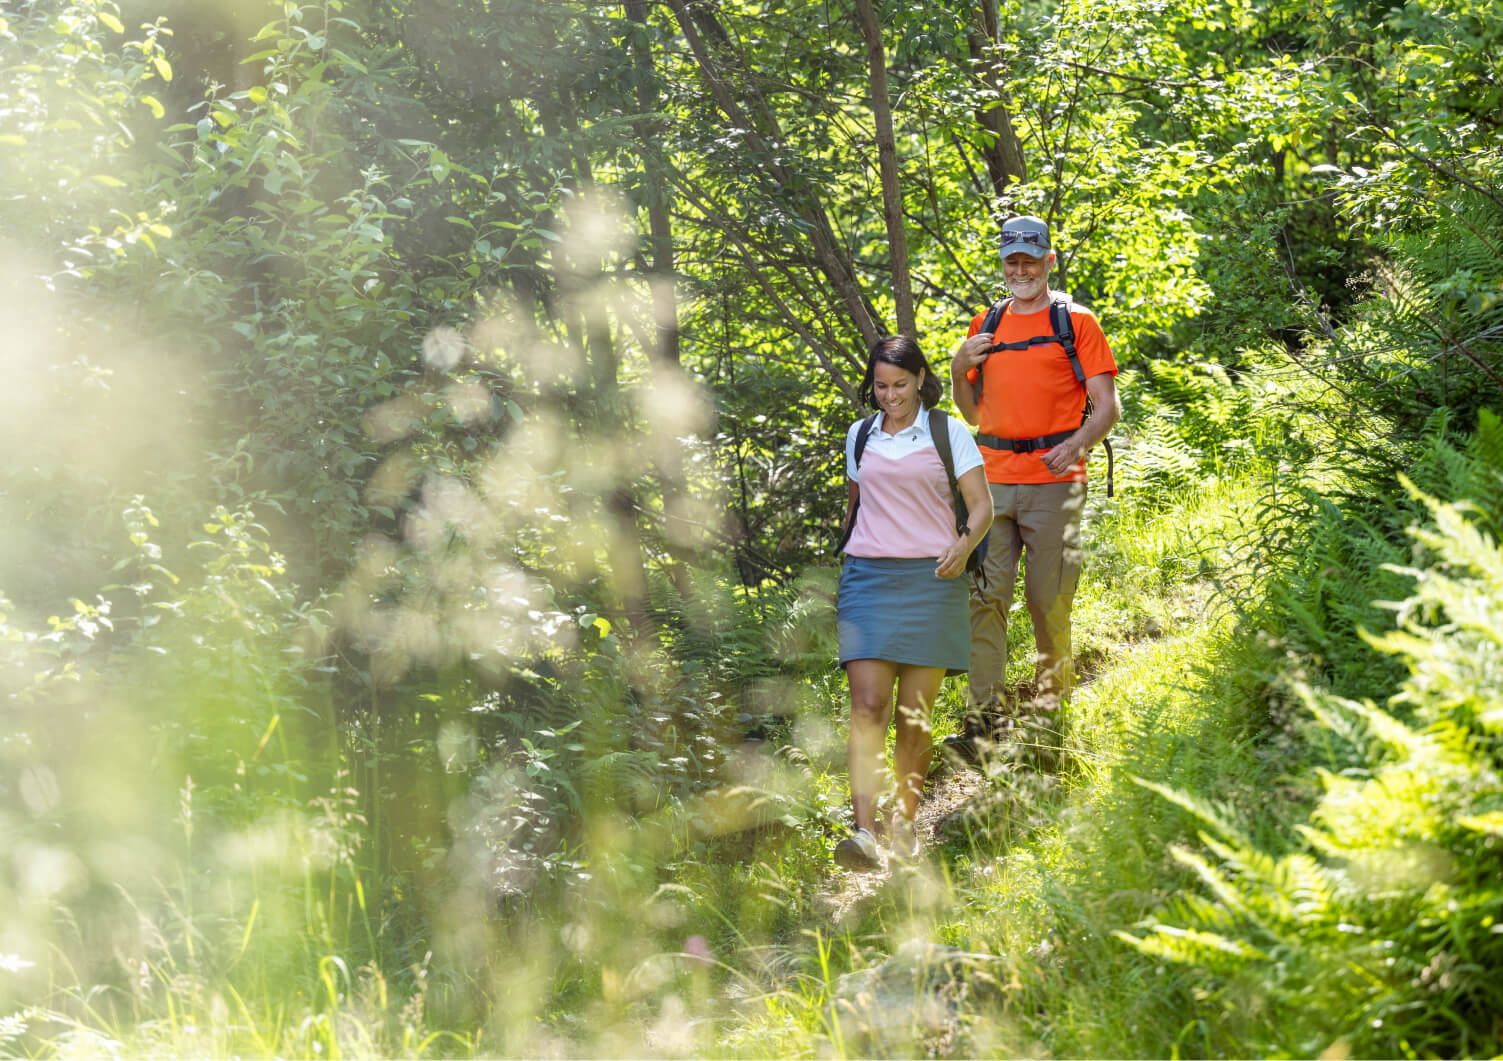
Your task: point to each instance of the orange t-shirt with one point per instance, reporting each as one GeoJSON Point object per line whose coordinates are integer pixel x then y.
{"type": "Point", "coordinates": [1032, 392]}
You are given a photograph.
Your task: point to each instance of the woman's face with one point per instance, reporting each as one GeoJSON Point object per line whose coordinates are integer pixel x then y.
{"type": "Point", "coordinates": [897, 389]}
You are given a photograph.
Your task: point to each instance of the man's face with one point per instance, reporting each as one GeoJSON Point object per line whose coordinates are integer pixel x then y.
{"type": "Point", "coordinates": [1027, 277]}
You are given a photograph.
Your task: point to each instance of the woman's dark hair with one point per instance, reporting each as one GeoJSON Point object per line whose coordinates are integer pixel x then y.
{"type": "Point", "coordinates": [904, 352]}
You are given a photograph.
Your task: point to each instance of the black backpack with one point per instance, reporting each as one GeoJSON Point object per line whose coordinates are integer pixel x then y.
{"type": "Point", "coordinates": [1064, 335]}
{"type": "Point", "coordinates": [939, 431]}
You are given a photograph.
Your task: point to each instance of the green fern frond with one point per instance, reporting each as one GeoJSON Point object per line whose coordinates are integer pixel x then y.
{"type": "Point", "coordinates": [1486, 452]}
{"type": "Point", "coordinates": [1328, 711]}
{"type": "Point", "coordinates": [1227, 893]}
{"type": "Point", "coordinates": [1311, 887]}
{"type": "Point", "coordinates": [1456, 538]}
{"type": "Point", "coordinates": [1188, 946]}
{"type": "Point", "coordinates": [1383, 727]}
{"type": "Point", "coordinates": [1215, 815]}
{"type": "Point", "coordinates": [1192, 908]}
{"type": "Point", "coordinates": [625, 778]}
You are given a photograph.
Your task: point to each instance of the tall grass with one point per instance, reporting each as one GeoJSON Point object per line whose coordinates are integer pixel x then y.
{"type": "Point", "coordinates": [1369, 930]}
{"type": "Point", "coordinates": [414, 887]}
{"type": "Point", "coordinates": [1036, 878]}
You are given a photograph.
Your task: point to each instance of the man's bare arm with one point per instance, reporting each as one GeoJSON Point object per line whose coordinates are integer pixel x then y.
{"type": "Point", "coordinates": [1106, 410]}
{"type": "Point", "coordinates": [968, 355]}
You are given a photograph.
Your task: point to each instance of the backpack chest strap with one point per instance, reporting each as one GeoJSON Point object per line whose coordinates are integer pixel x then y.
{"type": "Point", "coordinates": [1037, 340]}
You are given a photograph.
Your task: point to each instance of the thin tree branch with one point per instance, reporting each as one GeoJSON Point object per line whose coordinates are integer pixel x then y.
{"type": "Point", "coordinates": [749, 259]}
{"type": "Point", "coordinates": [1153, 82]}
{"type": "Point", "coordinates": [1442, 170]}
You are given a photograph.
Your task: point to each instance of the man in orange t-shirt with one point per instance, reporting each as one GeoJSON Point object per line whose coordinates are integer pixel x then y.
{"type": "Point", "coordinates": [1034, 438]}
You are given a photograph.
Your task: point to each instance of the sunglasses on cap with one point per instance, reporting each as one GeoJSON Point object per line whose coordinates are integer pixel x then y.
{"type": "Point", "coordinates": [1035, 238]}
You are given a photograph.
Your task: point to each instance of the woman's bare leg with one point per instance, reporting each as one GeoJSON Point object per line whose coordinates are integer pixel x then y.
{"type": "Point", "coordinates": [866, 751]}
{"type": "Point", "coordinates": [917, 689]}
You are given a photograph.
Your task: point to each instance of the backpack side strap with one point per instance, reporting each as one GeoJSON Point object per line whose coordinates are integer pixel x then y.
{"type": "Point", "coordinates": [1064, 334]}
{"type": "Point", "coordinates": [862, 434]}
{"type": "Point", "coordinates": [939, 433]}
{"type": "Point", "coordinates": [1059, 317]}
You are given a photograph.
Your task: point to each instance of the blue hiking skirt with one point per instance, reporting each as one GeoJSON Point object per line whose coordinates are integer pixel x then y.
{"type": "Point", "coordinates": [897, 609]}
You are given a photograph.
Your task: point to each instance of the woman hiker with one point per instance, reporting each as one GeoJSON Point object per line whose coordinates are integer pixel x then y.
{"type": "Point", "coordinates": [903, 608]}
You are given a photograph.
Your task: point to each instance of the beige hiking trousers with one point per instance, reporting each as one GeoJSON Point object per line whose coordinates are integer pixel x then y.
{"type": "Point", "coordinates": [1039, 524]}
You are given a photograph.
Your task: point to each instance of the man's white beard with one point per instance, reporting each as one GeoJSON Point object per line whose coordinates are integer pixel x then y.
{"type": "Point", "coordinates": [1030, 288]}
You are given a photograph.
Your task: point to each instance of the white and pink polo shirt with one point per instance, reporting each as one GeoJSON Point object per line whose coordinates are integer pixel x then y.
{"type": "Point", "coordinates": [906, 510]}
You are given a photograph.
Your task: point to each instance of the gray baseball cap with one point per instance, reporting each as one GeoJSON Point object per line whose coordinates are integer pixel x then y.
{"type": "Point", "coordinates": [1025, 235]}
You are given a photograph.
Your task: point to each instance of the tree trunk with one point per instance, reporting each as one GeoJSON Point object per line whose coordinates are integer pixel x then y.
{"type": "Point", "coordinates": [660, 273]}
{"type": "Point", "coordinates": [887, 156]}
{"type": "Point", "coordinates": [999, 146]}
{"type": "Point", "coordinates": [760, 125]}
{"type": "Point", "coordinates": [583, 309]}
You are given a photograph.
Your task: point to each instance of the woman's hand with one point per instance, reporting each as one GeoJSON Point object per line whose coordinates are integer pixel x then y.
{"type": "Point", "coordinates": [978, 502]}
{"type": "Point", "coordinates": [952, 560]}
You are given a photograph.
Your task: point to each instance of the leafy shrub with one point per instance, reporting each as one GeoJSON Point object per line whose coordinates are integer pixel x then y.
{"type": "Point", "coordinates": [1379, 937]}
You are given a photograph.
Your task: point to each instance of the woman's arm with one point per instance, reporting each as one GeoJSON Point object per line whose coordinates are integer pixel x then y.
{"type": "Point", "coordinates": [978, 503]}
{"type": "Point", "coordinates": [852, 492]}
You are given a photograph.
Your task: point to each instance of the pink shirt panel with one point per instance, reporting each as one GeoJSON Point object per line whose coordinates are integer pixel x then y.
{"type": "Point", "coordinates": [906, 509]}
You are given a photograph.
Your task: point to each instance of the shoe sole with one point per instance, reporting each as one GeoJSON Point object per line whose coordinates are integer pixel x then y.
{"type": "Point", "coordinates": [853, 858]}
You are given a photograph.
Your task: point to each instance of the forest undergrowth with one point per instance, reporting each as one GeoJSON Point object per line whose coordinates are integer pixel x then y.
{"type": "Point", "coordinates": [1220, 810]}
{"type": "Point", "coordinates": [712, 925]}
{"type": "Point", "coordinates": [422, 428]}
{"type": "Point", "coordinates": [1216, 813]}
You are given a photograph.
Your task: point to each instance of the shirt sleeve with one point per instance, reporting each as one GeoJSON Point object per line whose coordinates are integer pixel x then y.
{"type": "Point", "coordinates": [963, 448]}
{"type": "Point", "coordinates": [850, 453]}
{"type": "Point", "coordinates": [1090, 343]}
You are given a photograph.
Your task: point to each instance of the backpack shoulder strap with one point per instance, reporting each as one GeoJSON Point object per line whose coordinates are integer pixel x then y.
{"type": "Point", "coordinates": [1064, 331]}
{"type": "Point", "coordinates": [993, 318]}
{"type": "Point", "coordinates": [939, 433]}
{"type": "Point", "coordinates": [863, 433]}
{"type": "Point", "coordinates": [994, 315]}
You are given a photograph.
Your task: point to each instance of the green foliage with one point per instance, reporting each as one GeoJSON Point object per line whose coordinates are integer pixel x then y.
{"type": "Point", "coordinates": [1190, 422]}
{"type": "Point", "coordinates": [1385, 918]}
{"type": "Point", "coordinates": [416, 693]}
{"type": "Point", "coordinates": [87, 421]}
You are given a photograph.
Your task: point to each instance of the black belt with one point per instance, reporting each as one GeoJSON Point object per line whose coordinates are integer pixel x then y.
{"type": "Point", "coordinates": [1033, 445]}
{"type": "Point", "coordinates": [1024, 445]}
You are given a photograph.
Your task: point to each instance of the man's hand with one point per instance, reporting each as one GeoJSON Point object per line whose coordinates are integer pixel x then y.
{"type": "Point", "coordinates": [1064, 456]}
{"type": "Point", "coordinates": [971, 354]}
{"type": "Point", "coordinates": [1106, 410]}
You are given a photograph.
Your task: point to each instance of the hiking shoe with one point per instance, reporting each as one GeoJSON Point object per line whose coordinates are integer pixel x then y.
{"type": "Point", "coordinates": [858, 851]}
{"type": "Point", "coordinates": [961, 749]}
{"type": "Point", "coordinates": [902, 836]}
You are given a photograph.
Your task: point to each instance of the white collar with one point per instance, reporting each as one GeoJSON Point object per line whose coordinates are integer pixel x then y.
{"type": "Point", "coordinates": [920, 421]}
